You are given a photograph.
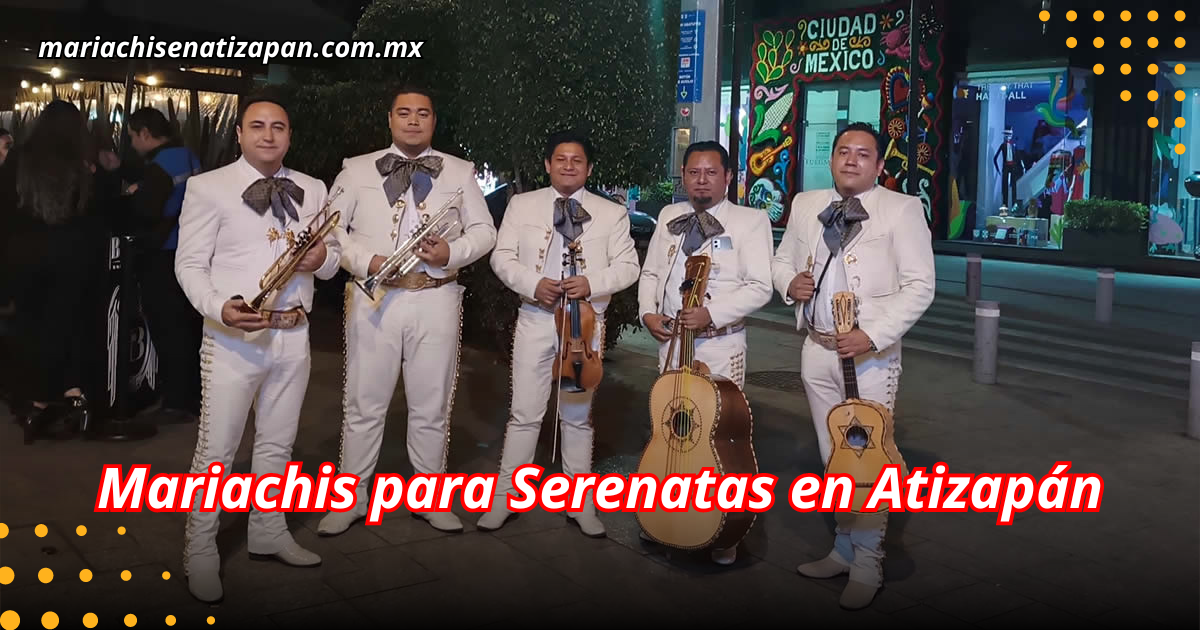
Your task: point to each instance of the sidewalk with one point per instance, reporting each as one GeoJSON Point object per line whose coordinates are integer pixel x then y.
{"type": "Point", "coordinates": [1134, 561]}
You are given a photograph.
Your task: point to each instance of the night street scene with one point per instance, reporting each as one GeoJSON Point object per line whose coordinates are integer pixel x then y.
{"type": "Point", "coordinates": [544, 314]}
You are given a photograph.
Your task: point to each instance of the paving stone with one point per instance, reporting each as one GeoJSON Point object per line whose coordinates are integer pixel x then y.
{"type": "Point", "coordinates": [977, 602]}
{"type": "Point", "coordinates": [379, 570]}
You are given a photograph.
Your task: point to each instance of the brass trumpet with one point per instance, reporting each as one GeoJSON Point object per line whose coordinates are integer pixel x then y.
{"type": "Point", "coordinates": [404, 259]}
{"type": "Point", "coordinates": [280, 271]}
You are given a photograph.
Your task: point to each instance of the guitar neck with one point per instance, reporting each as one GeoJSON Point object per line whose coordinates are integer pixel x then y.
{"type": "Point", "coordinates": [850, 376]}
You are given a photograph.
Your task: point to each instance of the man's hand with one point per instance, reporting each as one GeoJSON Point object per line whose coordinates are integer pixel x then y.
{"type": "Point", "coordinates": [853, 343]}
{"type": "Point", "coordinates": [237, 314]}
{"type": "Point", "coordinates": [376, 262]}
{"type": "Point", "coordinates": [434, 250]}
{"type": "Point", "coordinates": [577, 287]}
{"type": "Point", "coordinates": [313, 259]}
{"type": "Point", "coordinates": [656, 324]}
{"type": "Point", "coordinates": [547, 292]}
{"type": "Point", "coordinates": [802, 287]}
{"type": "Point", "coordinates": [695, 318]}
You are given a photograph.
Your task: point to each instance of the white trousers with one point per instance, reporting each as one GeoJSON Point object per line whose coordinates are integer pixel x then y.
{"type": "Point", "coordinates": [859, 540]}
{"type": "Point", "coordinates": [411, 333]}
{"type": "Point", "coordinates": [267, 370]}
{"type": "Point", "coordinates": [724, 356]}
{"type": "Point", "coordinates": [535, 349]}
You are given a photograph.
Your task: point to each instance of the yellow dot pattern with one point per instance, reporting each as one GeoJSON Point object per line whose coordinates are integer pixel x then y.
{"type": "Point", "coordinates": [1179, 68]}
{"type": "Point", "coordinates": [1179, 148]}
{"type": "Point", "coordinates": [40, 531]}
{"type": "Point", "coordinates": [50, 620]}
{"type": "Point", "coordinates": [121, 531]}
{"type": "Point", "coordinates": [1044, 16]}
{"type": "Point", "coordinates": [45, 576]}
{"type": "Point", "coordinates": [125, 575]}
{"type": "Point", "coordinates": [85, 575]}
{"type": "Point", "coordinates": [166, 575]}
{"type": "Point", "coordinates": [211, 621]}
{"type": "Point", "coordinates": [1126, 42]}
{"type": "Point", "coordinates": [1098, 42]}
{"type": "Point", "coordinates": [1179, 42]}
{"type": "Point", "coordinates": [1153, 95]}
{"type": "Point", "coordinates": [1126, 69]}
{"type": "Point", "coordinates": [1180, 122]}
{"type": "Point", "coordinates": [1179, 16]}
{"type": "Point", "coordinates": [130, 620]}
{"type": "Point", "coordinates": [1071, 15]}
{"type": "Point", "coordinates": [1126, 15]}
{"type": "Point", "coordinates": [81, 530]}
{"type": "Point", "coordinates": [1099, 16]}
{"type": "Point", "coordinates": [1098, 68]}
{"type": "Point", "coordinates": [170, 620]}
{"type": "Point", "coordinates": [1179, 95]}
{"type": "Point", "coordinates": [1152, 68]}
{"type": "Point", "coordinates": [1152, 16]}
{"type": "Point", "coordinates": [1071, 42]}
{"type": "Point", "coordinates": [6, 576]}
{"type": "Point", "coordinates": [3, 530]}
{"type": "Point", "coordinates": [1153, 122]}
{"type": "Point", "coordinates": [1152, 42]}
{"type": "Point", "coordinates": [90, 620]}
{"type": "Point", "coordinates": [10, 620]}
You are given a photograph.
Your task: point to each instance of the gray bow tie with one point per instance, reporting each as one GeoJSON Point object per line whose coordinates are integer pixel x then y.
{"type": "Point", "coordinates": [696, 227]}
{"type": "Point", "coordinates": [842, 220]}
{"type": "Point", "coordinates": [277, 194]}
{"type": "Point", "coordinates": [569, 217]}
{"type": "Point", "coordinates": [398, 172]}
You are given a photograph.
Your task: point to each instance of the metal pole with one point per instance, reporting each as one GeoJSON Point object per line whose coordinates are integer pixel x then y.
{"type": "Point", "coordinates": [974, 277]}
{"type": "Point", "coordinates": [1104, 294]}
{"type": "Point", "coordinates": [987, 334]}
{"type": "Point", "coordinates": [1194, 399]}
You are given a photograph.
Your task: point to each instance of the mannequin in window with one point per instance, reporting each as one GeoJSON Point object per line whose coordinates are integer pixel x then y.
{"type": "Point", "coordinates": [1008, 172]}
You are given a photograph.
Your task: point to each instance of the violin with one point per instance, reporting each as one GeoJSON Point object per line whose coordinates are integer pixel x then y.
{"type": "Point", "coordinates": [578, 367]}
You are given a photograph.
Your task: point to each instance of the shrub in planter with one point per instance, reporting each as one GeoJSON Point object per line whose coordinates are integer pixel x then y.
{"type": "Point", "coordinates": [1105, 228]}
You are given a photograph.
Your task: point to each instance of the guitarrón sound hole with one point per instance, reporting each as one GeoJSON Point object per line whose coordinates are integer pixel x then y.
{"type": "Point", "coordinates": [681, 424]}
{"type": "Point", "coordinates": [857, 437]}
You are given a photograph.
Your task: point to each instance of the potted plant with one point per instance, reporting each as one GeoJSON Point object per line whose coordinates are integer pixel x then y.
{"type": "Point", "coordinates": [1108, 230]}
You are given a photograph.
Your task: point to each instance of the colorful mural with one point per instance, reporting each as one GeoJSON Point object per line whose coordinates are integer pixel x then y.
{"type": "Point", "coordinates": [844, 46]}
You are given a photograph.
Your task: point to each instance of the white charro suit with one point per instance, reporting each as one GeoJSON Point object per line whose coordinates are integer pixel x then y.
{"type": "Point", "coordinates": [414, 331]}
{"type": "Point", "coordinates": [889, 267]}
{"type": "Point", "coordinates": [739, 282]}
{"type": "Point", "coordinates": [225, 247]}
{"type": "Point", "coordinates": [529, 248]}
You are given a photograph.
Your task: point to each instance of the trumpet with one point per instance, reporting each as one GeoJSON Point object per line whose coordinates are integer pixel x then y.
{"type": "Point", "coordinates": [280, 271]}
{"type": "Point", "coordinates": [404, 259]}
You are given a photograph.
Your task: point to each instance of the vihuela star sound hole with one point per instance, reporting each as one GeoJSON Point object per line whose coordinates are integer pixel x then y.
{"type": "Point", "coordinates": [698, 421]}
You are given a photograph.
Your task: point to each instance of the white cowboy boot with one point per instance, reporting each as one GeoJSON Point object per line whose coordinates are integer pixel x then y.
{"type": "Point", "coordinates": [577, 460]}
{"type": "Point", "coordinates": [204, 578]}
{"type": "Point", "coordinates": [520, 446]}
{"type": "Point", "coordinates": [336, 523]}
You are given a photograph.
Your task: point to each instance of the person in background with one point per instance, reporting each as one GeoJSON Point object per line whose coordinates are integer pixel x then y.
{"type": "Point", "coordinates": [175, 327]}
{"type": "Point", "coordinates": [6, 144]}
{"type": "Point", "coordinates": [54, 257]}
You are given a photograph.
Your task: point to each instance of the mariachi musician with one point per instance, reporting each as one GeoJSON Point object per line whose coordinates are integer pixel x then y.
{"type": "Point", "coordinates": [235, 224]}
{"type": "Point", "coordinates": [738, 240]}
{"type": "Point", "coordinates": [862, 238]}
{"type": "Point", "coordinates": [538, 228]}
{"type": "Point", "coordinates": [412, 323]}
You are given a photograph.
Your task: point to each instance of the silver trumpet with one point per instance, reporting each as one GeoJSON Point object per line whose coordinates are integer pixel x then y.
{"type": "Point", "coordinates": [405, 259]}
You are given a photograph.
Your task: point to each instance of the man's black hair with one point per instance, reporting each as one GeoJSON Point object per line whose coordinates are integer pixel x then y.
{"type": "Point", "coordinates": [569, 135]}
{"type": "Point", "coordinates": [411, 88]}
{"type": "Point", "coordinates": [152, 120]}
{"type": "Point", "coordinates": [707, 145]}
{"type": "Point", "coordinates": [865, 128]}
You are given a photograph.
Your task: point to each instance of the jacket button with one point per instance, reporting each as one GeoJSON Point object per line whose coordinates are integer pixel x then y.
{"type": "Point", "coordinates": [394, 233]}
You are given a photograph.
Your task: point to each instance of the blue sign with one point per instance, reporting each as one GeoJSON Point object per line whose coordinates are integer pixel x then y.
{"type": "Point", "coordinates": [690, 84]}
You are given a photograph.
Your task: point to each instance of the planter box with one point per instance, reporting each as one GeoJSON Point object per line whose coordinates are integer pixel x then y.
{"type": "Point", "coordinates": [1106, 248]}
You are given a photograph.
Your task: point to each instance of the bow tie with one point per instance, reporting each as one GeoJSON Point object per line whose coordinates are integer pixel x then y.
{"type": "Point", "coordinates": [399, 170]}
{"type": "Point", "coordinates": [277, 194]}
{"type": "Point", "coordinates": [842, 220]}
{"type": "Point", "coordinates": [569, 217]}
{"type": "Point", "coordinates": [697, 227]}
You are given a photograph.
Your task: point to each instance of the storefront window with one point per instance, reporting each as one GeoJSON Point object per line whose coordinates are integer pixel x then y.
{"type": "Point", "coordinates": [1019, 153]}
{"type": "Point", "coordinates": [1175, 187]}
